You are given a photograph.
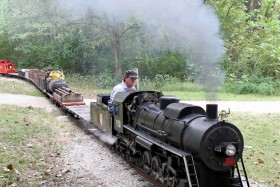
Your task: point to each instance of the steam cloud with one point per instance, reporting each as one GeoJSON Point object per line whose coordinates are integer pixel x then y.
{"type": "Point", "coordinates": [190, 24]}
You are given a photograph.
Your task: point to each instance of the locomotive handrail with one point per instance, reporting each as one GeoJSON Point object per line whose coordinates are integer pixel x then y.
{"type": "Point", "coordinates": [157, 142]}
{"type": "Point", "coordinates": [187, 123]}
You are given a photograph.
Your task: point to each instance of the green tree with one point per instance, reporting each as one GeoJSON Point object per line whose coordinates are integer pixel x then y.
{"type": "Point", "coordinates": [115, 32]}
{"type": "Point", "coordinates": [251, 30]}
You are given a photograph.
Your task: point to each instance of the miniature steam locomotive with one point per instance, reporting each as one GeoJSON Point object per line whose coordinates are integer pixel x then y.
{"type": "Point", "coordinates": [178, 144]}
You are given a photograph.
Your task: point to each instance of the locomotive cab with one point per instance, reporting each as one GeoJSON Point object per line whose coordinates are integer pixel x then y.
{"type": "Point", "coordinates": [99, 114]}
{"type": "Point", "coordinates": [124, 104]}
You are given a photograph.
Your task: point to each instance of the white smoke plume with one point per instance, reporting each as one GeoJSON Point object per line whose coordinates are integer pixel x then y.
{"type": "Point", "coordinates": [191, 25]}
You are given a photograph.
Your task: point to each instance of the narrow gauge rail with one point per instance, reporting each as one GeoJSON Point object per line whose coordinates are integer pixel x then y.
{"type": "Point", "coordinates": [178, 144]}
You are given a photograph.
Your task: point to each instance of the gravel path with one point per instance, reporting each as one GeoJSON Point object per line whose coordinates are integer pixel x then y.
{"type": "Point", "coordinates": [25, 101]}
{"type": "Point", "coordinates": [234, 106]}
{"type": "Point", "coordinates": [87, 162]}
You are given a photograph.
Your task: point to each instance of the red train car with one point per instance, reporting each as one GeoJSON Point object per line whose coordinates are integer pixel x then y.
{"type": "Point", "coordinates": [6, 66]}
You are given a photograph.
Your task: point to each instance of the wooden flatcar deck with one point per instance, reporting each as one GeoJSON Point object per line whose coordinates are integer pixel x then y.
{"type": "Point", "coordinates": [82, 111]}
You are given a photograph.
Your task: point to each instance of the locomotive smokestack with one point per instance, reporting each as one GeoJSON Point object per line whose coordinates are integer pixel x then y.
{"type": "Point", "coordinates": [211, 111]}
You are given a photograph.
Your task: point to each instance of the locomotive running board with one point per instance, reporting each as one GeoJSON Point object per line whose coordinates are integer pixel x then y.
{"type": "Point", "coordinates": [157, 142]}
{"type": "Point", "coordinates": [187, 162]}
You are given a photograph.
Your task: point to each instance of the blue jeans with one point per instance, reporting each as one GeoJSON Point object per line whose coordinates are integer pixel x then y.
{"type": "Point", "coordinates": [111, 108]}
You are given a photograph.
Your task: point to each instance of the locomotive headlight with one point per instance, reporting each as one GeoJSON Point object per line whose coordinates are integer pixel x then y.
{"type": "Point", "coordinates": [230, 150]}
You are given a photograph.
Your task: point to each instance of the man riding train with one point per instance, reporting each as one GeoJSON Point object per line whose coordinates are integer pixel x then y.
{"type": "Point", "coordinates": [127, 85]}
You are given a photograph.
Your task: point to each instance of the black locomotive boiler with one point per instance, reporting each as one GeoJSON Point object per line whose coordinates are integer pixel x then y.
{"type": "Point", "coordinates": [179, 144]}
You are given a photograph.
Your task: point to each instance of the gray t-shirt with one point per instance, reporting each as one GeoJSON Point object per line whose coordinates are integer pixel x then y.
{"type": "Point", "coordinates": [120, 88]}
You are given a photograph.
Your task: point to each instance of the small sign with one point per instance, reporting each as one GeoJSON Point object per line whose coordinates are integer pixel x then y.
{"type": "Point", "coordinates": [118, 123]}
{"type": "Point", "coordinates": [101, 119]}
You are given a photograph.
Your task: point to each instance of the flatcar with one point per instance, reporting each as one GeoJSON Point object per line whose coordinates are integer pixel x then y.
{"type": "Point", "coordinates": [6, 67]}
{"type": "Point", "coordinates": [178, 144]}
{"type": "Point", "coordinates": [51, 83]}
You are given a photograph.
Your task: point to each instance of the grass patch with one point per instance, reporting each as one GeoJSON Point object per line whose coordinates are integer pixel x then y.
{"type": "Point", "coordinates": [16, 86]}
{"type": "Point", "coordinates": [28, 138]}
{"type": "Point", "coordinates": [262, 142]}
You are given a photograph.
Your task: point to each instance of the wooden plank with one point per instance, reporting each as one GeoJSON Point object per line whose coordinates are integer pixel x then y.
{"type": "Point", "coordinates": [77, 107]}
{"type": "Point", "coordinates": [80, 111]}
{"type": "Point", "coordinates": [81, 106]}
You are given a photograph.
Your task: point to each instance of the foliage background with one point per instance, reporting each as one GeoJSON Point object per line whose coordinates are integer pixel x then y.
{"type": "Point", "coordinates": [38, 34]}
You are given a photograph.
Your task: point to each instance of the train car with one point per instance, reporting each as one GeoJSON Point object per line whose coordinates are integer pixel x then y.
{"type": "Point", "coordinates": [6, 67]}
{"type": "Point", "coordinates": [55, 85]}
{"type": "Point", "coordinates": [52, 84]}
{"type": "Point", "coordinates": [55, 80]}
{"type": "Point", "coordinates": [178, 144]}
{"type": "Point", "coordinates": [38, 78]}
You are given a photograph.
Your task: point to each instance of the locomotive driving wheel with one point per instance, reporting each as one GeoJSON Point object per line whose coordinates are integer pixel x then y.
{"type": "Point", "coordinates": [168, 174]}
{"type": "Point", "coordinates": [146, 161]}
{"type": "Point", "coordinates": [155, 167]}
{"type": "Point", "coordinates": [128, 155]}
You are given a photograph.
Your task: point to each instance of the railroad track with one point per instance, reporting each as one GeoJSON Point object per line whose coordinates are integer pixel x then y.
{"type": "Point", "coordinates": [145, 175]}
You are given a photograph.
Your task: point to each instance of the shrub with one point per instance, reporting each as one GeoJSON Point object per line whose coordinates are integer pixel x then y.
{"type": "Point", "coordinates": [77, 80]}
{"type": "Point", "coordinates": [252, 85]}
{"type": "Point", "coordinates": [157, 83]}
{"type": "Point", "coordinates": [168, 83]}
{"type": "Point", "coordinates": [106, 80]}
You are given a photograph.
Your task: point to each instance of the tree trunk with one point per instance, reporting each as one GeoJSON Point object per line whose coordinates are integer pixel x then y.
{"type": "Point", "coordinates": [252, 5]}
{"type": "Point", "coordinates": [116, 47]}
{"type": "Point", "coordinates": [270, 9]}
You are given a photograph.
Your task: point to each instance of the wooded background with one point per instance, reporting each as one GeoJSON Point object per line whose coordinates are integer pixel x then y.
{"type": "Point", "coordinates": [39, 34]}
